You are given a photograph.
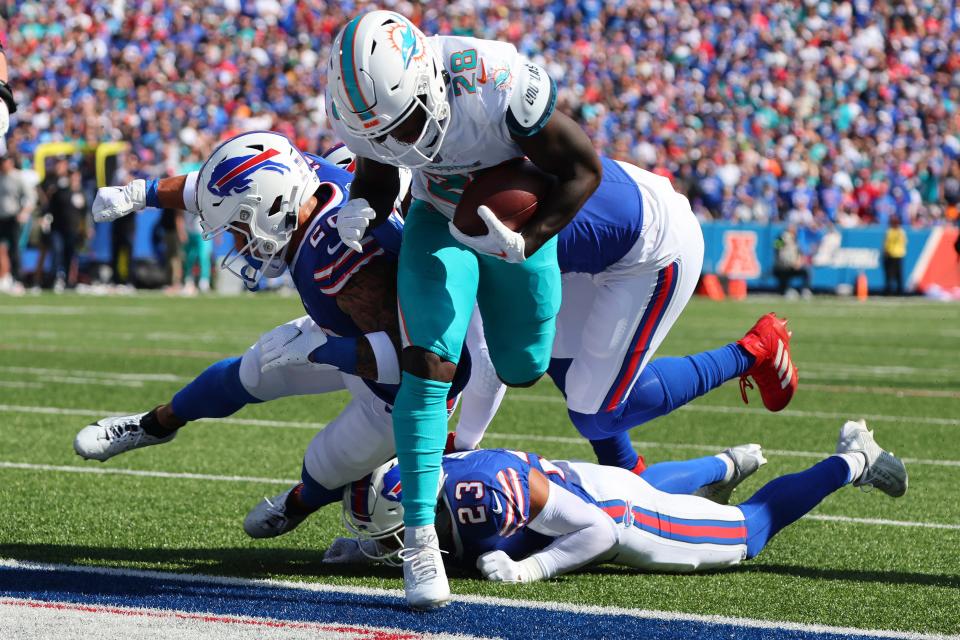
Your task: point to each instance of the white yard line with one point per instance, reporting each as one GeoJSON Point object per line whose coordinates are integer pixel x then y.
{"type": "Point", "coordinates": [482, 600]}
{"type": "Point", "coordinates": [100, 413]}
{"type": "Point", "coordinates": [67, 348]}
{"type": "Point", "coordinates": [109, 471]}
{"type": "Point", "coordinates": [100, 470]}
{"type": "Point", "coordinates": [97, 377]}
{"type": "Point", "coordinates": [790, 413]}
{"type": "Point", "coordinates": [89, 373]}
{"type": "Point", "coordinates": [493, 435]}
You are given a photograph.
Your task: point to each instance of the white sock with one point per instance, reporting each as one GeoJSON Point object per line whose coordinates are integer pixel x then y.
{"type": "Point", "coordinates": [727, 460]}
{"type": "Point", "coordinates": [857, 462]}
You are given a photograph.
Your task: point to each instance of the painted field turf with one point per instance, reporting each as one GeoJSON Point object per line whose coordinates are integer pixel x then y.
{"type": "Point", "coordinates": [863, 561]}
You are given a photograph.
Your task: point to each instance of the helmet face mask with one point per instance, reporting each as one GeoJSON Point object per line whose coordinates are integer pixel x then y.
{"type": "Point", "coordinates": [372, 510]}
{"type": "Point", "coordinates": [381, 70]}
{"type": "Point", "coordinates": [253, 187]}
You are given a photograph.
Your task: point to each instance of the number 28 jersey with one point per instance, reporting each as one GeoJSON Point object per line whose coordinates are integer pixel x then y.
{"type": "Point", "coordinates": [494, 95]}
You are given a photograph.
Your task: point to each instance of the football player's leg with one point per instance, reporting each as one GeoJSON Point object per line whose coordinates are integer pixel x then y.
{"type": "Point", "coordinates": [661, 531]}
{"type": "Point", "coordinates": [611, 387]}
{"type": "Point", "coordinates": [484, 391]}
{"type": "Point", "coordinates": [579, 292]}
{"type": "Point", "coordinates": [436, 288]}
{"type": "Point", "coordinates": [519, 305]}
{"type": "Point", "coordinates": [858, 460]}
{"type": "Point", "coordinates": [221, 390]}
{"type": "Point", "coordinates": [349, 447]}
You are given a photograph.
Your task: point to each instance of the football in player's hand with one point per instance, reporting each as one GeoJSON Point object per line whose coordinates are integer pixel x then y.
{"type": "Point", "coordinates": [511, 190]}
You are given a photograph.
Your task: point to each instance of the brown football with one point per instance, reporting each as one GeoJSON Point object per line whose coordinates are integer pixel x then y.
{"type": "Point", "coordinates": [511, 190]}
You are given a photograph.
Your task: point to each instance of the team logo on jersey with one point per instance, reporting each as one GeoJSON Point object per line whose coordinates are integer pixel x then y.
{"type": "Point", "coordinates": [502, 78]}
{"type": "Point", "coordinates": [231, 176]}
{"type": "Point", "coordinates": [406, 41]}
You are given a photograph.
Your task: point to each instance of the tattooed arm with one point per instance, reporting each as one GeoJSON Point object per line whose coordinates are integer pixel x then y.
{"type": "Point", "coordinates": [370, 299]}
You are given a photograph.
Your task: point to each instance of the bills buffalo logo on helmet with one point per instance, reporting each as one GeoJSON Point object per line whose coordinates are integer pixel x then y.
{"type": "Point", "coordinates": [231, 176]}
{"type": "Point", "coordinates": [392, 490]}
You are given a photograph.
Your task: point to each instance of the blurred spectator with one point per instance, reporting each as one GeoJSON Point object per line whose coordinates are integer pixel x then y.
{"type": "Point", "coordinates": [894, 249]}
{"type": "Point", "coordinates": [64, 207]}
{"type": "Point", "coordinates": [122, 229]}
{"type": "Point", "coordinates": [747, 102]}
{"type": "Point", "coordinates": [198, 255]}
{"type": "Point", "coordinates": [16, 205]}
{"type": "Point", "coordinates": [790, 262]}
{"type": "Point", "coordinates": [174, 236]}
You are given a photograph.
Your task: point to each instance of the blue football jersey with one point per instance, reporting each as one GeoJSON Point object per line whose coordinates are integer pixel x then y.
{"type": "Point", "coordinates": [323, 265]}
{"type": "Point", "coordinates": [607, 226]}
{"type": "Point", "coordinates": [488, 495]}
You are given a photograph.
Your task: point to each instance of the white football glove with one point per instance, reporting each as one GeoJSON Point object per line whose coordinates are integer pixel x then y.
{"type": "Point", "coordinates": [352, 222]}
{"type": "Point", "coordinates": [499, 567]}
{"type": "Point", "coordinates": [347, 551]}
{"type": "Point", "coordinates": [4, 118]}
{"type": "Point", "coordinates": [287, 345]}
{"type": "Point", "coordinates": [115, 202]}
{"type": "Point", "coordinates": [499, 241]}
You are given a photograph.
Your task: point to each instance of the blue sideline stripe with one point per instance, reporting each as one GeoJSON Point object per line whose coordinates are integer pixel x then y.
{"type": "Point", "coordinates": [303, 605]}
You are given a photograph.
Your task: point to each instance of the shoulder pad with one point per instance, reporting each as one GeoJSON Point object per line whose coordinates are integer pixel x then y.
{"type": "Point", "coordinates": [533, 101]}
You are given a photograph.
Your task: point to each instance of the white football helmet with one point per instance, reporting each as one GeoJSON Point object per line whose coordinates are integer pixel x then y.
{"type": "Point", "coordinates": [372, 511]}
{"type": "Point", "coordinates": [254, 185]}
{"type": "Point", "coordinates": [381, 69]}
{"type": "Point", "coordinates": [340, 155]}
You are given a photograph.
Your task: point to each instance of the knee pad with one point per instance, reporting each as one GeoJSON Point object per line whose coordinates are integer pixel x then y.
{"type": "Point", "coordinates": [351, 446]}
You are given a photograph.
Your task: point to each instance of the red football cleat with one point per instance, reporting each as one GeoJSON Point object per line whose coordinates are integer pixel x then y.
{"type": "Point", "coordinates": [640, 467]}
{"type": "Point", "coordinates": [773, 371]}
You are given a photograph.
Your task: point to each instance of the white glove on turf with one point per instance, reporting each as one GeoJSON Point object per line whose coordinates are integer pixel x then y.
{"type": "Point", "coordinates": [499, 241]}
{"type": "Point", "coordinates": [352, 222]}
{"type": "Point", "coordinates": [115, 202]}
{"type": "Point", "coordinates": [347, 551]}
{"type": "Point", "coordinates": [499, 567]}
{"type": "Point", "coordinates": [287, 345]}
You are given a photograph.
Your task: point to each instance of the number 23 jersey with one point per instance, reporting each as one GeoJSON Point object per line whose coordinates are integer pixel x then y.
{"type": "Point", "coordinates": [487, 494]}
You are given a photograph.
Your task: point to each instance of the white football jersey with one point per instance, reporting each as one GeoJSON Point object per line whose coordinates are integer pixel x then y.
{"type": "Point", "coordinates": [494, 94]}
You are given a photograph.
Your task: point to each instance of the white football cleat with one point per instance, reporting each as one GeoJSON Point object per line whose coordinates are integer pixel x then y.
{"type": "Point", "coordinates": [747, 458]}
{"type": "Point", "coordinates": [424, 578]}
{"type": "Point", "coordinates": [111, 436]}
{"type": "Point", "coordinates": [270, 519]}
{"type": "Point", "coordinates": [883, 470]}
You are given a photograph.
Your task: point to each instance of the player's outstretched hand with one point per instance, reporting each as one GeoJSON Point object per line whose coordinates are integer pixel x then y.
{"type": "Point", "coordinates": [115, 202]}
{"type": "Point", "coordinates": [346, 551]}
{"type": "Point", "coordinates": [499, 567]}
{"type": "Point", "coordinates": [287, 345]}
{"type": "Point", "coordinates": [352, 222]}
{"type": "Point", "coordinates": [499, 241]}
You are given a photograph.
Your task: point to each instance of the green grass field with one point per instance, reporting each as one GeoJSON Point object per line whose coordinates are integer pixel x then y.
{"type": "Point", "coordinates": [861, 560]}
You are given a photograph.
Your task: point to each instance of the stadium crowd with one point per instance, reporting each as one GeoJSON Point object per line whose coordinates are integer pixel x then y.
{"type": "Point", "coordinates": [805, 111]}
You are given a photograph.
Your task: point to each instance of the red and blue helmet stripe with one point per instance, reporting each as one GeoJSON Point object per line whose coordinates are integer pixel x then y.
{"type": "Point", "coordinates": [231, 176]}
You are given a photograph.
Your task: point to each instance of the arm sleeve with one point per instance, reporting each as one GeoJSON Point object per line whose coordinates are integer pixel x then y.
{"type": "Point", "coordinates": [190, 192]}
{"type": "Point", "coordinates": [583, 533]}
